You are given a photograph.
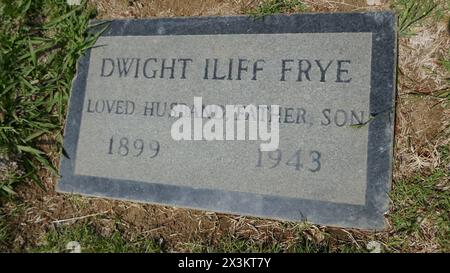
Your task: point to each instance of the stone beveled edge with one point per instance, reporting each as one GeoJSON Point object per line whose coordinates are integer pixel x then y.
{"type": "Point", "coordinates": [380, 150]}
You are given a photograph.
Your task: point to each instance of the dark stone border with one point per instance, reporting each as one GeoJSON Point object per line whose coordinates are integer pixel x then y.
{"type": "Point", "coordinates": [370, 216]}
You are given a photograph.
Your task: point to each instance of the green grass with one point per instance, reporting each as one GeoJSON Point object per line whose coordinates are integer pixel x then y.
{"type": "Point", "coordinates": [4, 233]}
{"type": "Point", "coordinates": [412, 12]}
{"type": "Point", "coordinates": [445, 154]}
{"type": "Point", "coordinates": [421, 207]}
{"type": "Point", "coordinates": [446, 63]}
{"type": "Point", "coordinates": [301, 244]}
{"type": "Point", "coordinates": [90, 241]}
{"type": "Point", "coordinates": [40, 43]}
{"type": "Point", "coordinates": [269, 7]}
{"type": "Point", "coordinates": [229, 244]}
{"type": "Point", "coordinates": [445, 94]}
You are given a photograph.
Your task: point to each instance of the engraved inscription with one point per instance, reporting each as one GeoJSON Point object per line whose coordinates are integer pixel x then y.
{"type": "Point", "coordinates": [320, 81]}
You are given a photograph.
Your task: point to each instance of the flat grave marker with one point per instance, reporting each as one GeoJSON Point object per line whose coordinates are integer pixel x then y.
{"type": "Point", "coordinates": [332, 76]}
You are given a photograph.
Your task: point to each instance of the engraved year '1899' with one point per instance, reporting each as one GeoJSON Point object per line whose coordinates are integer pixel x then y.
{"type": "Point", "coordinates": [125, 146]}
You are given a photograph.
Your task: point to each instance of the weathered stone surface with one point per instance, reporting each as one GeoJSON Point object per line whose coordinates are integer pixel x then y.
{"type": "Point", "coordinates": [333, 76]}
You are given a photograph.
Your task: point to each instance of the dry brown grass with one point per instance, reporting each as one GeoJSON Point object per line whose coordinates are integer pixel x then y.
{"type": "Point", "coordinates": [168, 8]}
{"type": "Point", "coordinates": [422, 118]}
{"type": "Point", "coordinates": [420, 122]}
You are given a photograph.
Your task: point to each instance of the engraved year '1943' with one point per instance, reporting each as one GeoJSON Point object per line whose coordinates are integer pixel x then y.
{"type": "Point", "coordinates": [295, 161]}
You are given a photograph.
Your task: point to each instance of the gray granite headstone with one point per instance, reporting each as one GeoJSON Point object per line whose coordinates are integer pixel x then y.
{"type": "Point", "coordinates": [333, 76]}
